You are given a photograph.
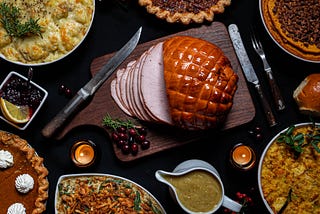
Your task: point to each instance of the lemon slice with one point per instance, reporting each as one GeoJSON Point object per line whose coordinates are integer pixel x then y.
{"type": "Point", "coordinates": [14, 113]}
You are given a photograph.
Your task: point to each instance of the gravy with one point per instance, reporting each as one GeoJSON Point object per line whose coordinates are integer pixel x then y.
{"type": "Point", "coordinates": [198, 191]}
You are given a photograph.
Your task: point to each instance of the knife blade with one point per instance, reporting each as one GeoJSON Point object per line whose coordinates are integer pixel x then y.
{"type": "Point", "coordinates": [249, 71]}
{"type": "Point", "coordinates": [92, 86]}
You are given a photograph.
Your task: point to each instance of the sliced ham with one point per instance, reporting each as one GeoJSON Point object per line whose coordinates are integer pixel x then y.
{"type": "Point", "coordinates": [183, 81]}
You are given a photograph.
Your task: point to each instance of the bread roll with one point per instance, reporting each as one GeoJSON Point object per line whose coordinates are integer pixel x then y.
{"type": "Point", "coordinates": [307, 95]}
{"type": "Point", "coordinates": [200, 82]}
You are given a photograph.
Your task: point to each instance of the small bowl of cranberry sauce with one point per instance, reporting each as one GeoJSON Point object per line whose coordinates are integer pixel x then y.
{"type": "Point", "coordinates": [20, 91]}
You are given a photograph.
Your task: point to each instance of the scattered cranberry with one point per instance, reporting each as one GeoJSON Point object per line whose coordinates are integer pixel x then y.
{"type": "Point", "coordinates": [243, 199]}
{"type": "Point", "coordinates": [63, 90]}
{"type": "Point", "coordinates": [256, 133]}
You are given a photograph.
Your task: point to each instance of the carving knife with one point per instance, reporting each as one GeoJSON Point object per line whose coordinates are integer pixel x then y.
{"type": "Point", "coordinates": [92, 86]}
{"type": "Point", "coordinates": [249, 71]}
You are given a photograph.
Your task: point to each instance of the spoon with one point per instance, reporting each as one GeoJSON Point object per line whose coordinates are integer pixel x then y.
{"type": "Point", "coordinates": [30, 75]}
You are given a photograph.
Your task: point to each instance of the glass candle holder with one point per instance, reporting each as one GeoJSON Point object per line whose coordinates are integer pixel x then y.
{"type": "Point", "coordinates": [242, 157]}
{"type": "Point", "coordinates": [83, 153]}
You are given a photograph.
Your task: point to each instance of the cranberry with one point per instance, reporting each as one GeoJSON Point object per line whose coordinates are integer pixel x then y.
{"type": "Point", "coordinates": [123, 136]}
{"type": "Point", "coordinates": [115, 137]}
{"type": "Point", "coordinates": [122, 129]}
{"type": "Point", "coordinates": [140, 138]}
{"type": "Point", "coordinates": [132, 132]}
{"type": "Point", "coordinates": [68, 92]}
{"type": "Point", "coordinates": [145, 144]}
{"type": "Point", "coordinates": [125, 148]}
{"type": "Point", "coordinates": [142, 130]}
{"type": "Point", "coordinates": [61, 89]}
{"type": "Point", "coordinates": [120, 143]}
{"type": "Point", "coordinates": [134, 148]}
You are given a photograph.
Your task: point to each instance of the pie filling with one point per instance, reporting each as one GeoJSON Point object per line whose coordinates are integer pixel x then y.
{"type": "Point", "coordinates": [26, 161]}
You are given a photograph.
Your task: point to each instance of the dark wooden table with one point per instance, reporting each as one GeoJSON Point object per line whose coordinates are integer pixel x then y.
{"type": "Point", "coordinates": [112, 27]}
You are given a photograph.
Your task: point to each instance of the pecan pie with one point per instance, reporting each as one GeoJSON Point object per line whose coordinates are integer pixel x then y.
{"type": "Point", "coordinates": [295, 25]}
{"type": "Point", "coordinates": [185, 11]}
{"type": "Point", "coordinates": [25, 161]}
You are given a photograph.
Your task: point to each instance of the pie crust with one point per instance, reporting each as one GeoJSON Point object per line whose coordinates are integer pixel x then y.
{"type": "Point", "coordinates": [26, 161]}
{"type": "Point", "coordinates": [183, 11]}
{"type": "Point", "coordinates": [275, 27]}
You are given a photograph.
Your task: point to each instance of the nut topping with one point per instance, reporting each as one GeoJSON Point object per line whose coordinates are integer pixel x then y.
{"type": "Point", "coordinates": [299, 20]}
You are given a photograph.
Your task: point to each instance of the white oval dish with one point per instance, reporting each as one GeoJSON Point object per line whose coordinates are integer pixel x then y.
{"type": "Point", "coordinates": [88, 175]}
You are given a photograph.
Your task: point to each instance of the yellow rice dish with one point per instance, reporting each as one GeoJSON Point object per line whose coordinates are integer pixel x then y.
{"type": "Point", "coordinates": [282, 172]}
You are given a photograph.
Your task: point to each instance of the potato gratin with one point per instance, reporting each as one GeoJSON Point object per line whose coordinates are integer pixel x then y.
{"type": "Point", "coordinates": [103, 194]}
{"type": "Point", "coordinates": [283, 174]}
{"type": "Point", "coordinates": [64, 23]}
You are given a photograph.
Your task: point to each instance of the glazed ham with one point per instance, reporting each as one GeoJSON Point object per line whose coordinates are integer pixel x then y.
{"type": "Point", "coordinates": [183, 81]}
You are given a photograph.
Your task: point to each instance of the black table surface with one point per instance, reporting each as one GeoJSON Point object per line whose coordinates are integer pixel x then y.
{"type": "Point", "coordinates": [113, 25]}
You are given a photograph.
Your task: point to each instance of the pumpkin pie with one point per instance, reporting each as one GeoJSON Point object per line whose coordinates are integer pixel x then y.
{"type": "Point", "coordinates": [25, 161]}
{"type": "Point", "coordinates": [185, 11]}
{"type": "Point", "coordinates": [294, 25]}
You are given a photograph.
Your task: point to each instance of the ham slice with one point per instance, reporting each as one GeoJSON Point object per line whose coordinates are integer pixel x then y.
{"type": "Point", "coordinates": [183, 81]}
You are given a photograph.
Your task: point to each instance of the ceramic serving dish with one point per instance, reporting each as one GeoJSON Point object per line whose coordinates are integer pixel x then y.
{"type": "Point", "coordinates": [108, 190]}
{"type": "Point", "coordinates": [41, 90]}
{"type": "Point", "coordinates": [63, 27]}
{"type": "Point", "coordinates": [288, 181]}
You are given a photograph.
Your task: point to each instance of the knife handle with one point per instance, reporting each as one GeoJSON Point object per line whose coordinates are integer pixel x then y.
{"type": "Point", "coordinates": [50, 129]}
{"type": "Point", "coordinates": [275, 91]}
{"type": "Point", "coordinates": [266, 107]}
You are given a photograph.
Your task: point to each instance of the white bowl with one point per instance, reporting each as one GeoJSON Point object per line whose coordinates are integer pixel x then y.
{"type": "Point", "coordinates": [262, 159]}
{"type": "Point", "coordinates": [45, 95]}
{"type": "Point", "coordinates": [49, 61]}
{"type": "Point", "coordinates": [143, 190]}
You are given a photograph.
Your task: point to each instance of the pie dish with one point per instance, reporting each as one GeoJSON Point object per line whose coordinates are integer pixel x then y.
{"type": "Point", "coordinates": [185, 11]}
{"type": "Point", "coordinates": [25, 161]}
{"type": "Point", "coordinates": [294, 26]}
{"type": "Point", "coordinates": [102, 193]}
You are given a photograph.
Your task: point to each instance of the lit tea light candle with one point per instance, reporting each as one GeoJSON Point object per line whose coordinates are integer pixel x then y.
{"type": "Point", "coordinates": [83, 153]}
{"type": "Point", "coordinates": [243, 157]}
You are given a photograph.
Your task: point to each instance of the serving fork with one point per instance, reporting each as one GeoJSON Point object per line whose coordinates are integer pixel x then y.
{"type": "Point", "coordinates": [278, 99]}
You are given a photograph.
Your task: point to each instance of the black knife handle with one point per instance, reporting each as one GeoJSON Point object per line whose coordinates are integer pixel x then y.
{"type": "Point", "coordinates": [50, 129]}
{"type": "Point", "coordinates": [275, 91]}
{"type": "Point", "coordinates": [266, 107]}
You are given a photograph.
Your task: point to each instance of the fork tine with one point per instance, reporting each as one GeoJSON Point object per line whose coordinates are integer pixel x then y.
{"type": "Point", "coordinates": [254, 41]}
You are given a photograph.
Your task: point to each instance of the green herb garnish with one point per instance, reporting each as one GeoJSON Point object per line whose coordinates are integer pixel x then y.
{"type": "Point", "coordinates": [116, 123]}
{"type": "Point", "coordinates": [299, 140]}
{"type": "Point", "coordinates": [11, 23]}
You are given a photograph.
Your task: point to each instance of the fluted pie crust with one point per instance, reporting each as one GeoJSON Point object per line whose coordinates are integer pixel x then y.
{"type": "Point", "coordinates": [183, 11]}
{"type": "Point", "coordinates": [275, 27]}
{"type": "Point", "coordinates": [25, 161]}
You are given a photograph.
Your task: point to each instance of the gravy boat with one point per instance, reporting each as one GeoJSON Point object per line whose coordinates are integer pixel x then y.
{"type": "Point", "coordinates": [193, 165]}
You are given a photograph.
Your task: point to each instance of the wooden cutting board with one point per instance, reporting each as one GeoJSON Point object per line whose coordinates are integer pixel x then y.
{"type": "Point", "coordinates": [163, 137]}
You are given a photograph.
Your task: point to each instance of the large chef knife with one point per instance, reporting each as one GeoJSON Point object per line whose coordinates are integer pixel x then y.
{"type": "Point", "coordinates": [92, 86]}
{"type": "Point", "coordinates": [249, 71]}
